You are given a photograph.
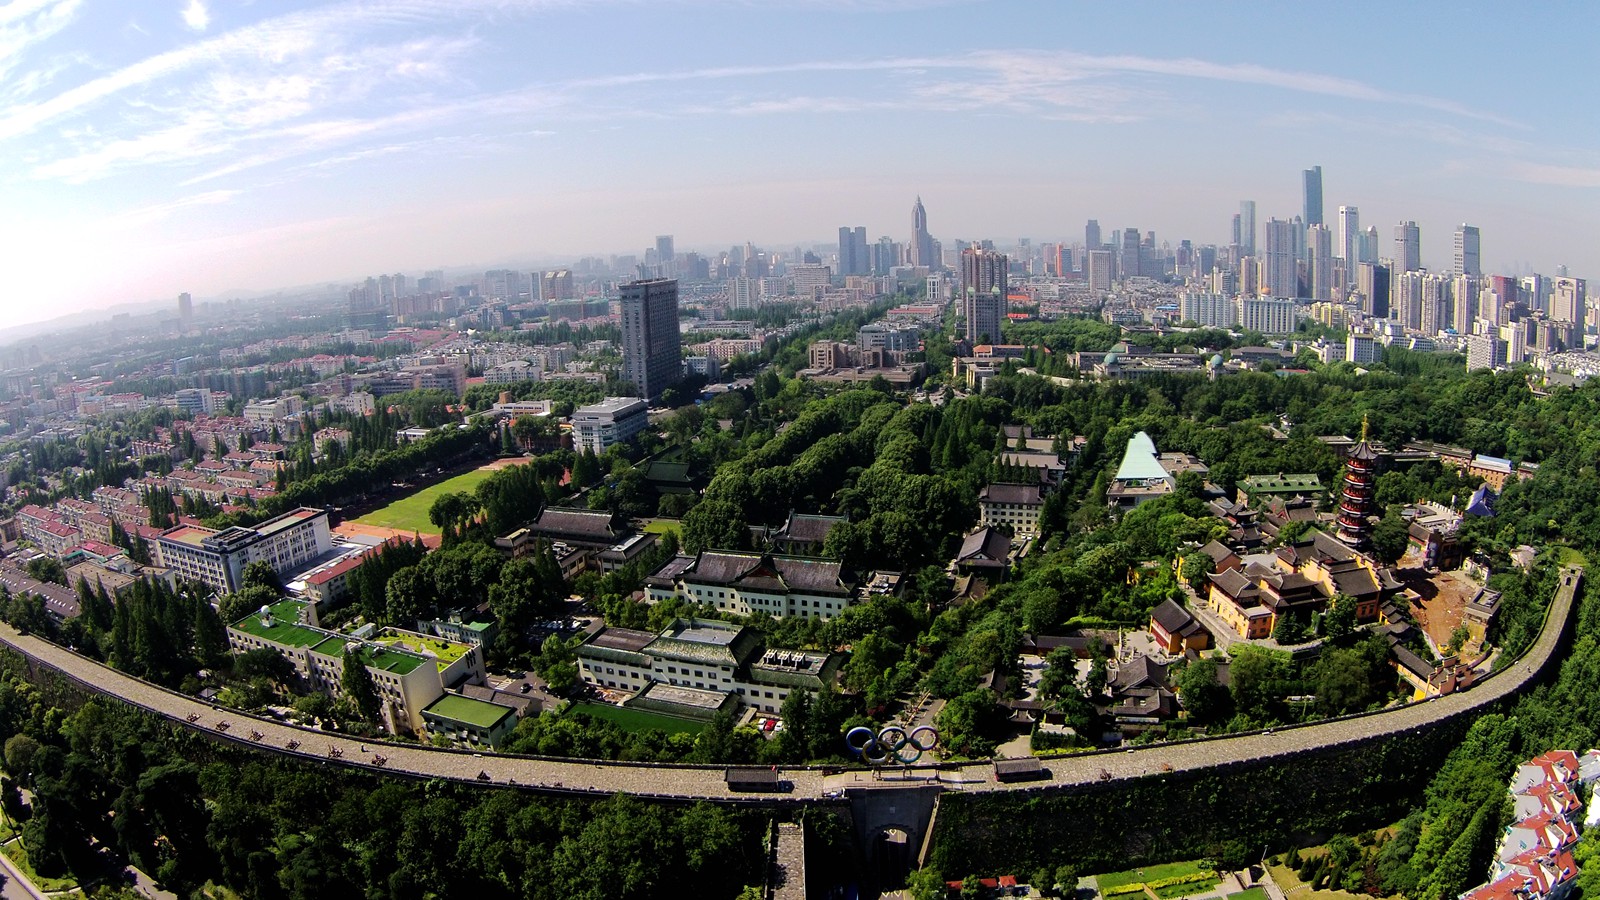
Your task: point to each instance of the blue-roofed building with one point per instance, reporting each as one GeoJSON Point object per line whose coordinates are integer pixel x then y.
{"type": "Point", "coordinates": [1482, 502]}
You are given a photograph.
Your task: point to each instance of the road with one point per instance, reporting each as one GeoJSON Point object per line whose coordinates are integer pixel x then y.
{"type": "Point", "coordinates": [807, 785]}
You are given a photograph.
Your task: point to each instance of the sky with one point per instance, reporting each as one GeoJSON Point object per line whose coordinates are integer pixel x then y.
{"type": "Point", "coordinates": [149, 147]}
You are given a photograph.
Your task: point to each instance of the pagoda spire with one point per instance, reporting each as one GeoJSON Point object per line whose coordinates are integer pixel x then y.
{"type": "Point", "coordinates": [1356, 501]}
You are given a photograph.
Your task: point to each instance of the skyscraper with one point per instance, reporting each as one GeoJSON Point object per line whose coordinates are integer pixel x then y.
{"type": "Point", "coordinates": [1091, 235]}
{"type": "Point", "coordinates": [1568, 299]}
{"type": "Point", "coordinates": [1247, 227]}
{"type": "Point", "coordinates": [1313, 194]}
{"type": "Point", "coordinates": [1319, 249]}
{"type": "Point", "coordinates": [853, 251]}
{"type": "Point", "coordinates": [1278, 277]}
{"type": "Point", "coordinates": [1368, 246]}
{"type": "Point", "coordinates": [651, 359]}
{"type": "Point", "coordinates": [1407, 247]}
{"type": "Point", "coordinates": [921, 241]}
{"type": "Point", "coordinates": [1465, 261]}
{"type": "Point", "coordinates": [983, 293]}
{"type": "Point", "coordinates": [1349, 237]}
{"type": "Point", "coordinates": [185, 308]}
{"type": "Point", "coordinates": [1372, 280]}
{"type": "Point", "coordinates": [664, 253]}
{"type": "Point", "coordinates": [1097, 269]}
{"type": "Point", "coordinates": [1128, 253]}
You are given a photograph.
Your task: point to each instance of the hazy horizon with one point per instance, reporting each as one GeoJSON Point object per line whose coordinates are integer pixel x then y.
{"type": "Point", "coordinates": [215, 147]}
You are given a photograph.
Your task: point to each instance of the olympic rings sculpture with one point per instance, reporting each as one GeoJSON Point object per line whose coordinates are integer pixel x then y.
{"type": "Point", "coordinates": [891, 744]}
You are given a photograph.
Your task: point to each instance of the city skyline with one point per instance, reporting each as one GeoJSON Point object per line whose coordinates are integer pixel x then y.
{"type": "Point", "coordinates": [215, 148]}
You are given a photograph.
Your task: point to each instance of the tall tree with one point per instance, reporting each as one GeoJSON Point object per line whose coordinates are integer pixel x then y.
{"type": "Point", "coordinates": [358, 686]}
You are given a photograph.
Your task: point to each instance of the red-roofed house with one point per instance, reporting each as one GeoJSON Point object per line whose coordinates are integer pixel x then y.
{"type": "Point", "coordinates": [1551, 797]}
{"type": "Point", "coordinates": [1542, 833]}
{"type": "Point", "coordinates": [1554, 765]}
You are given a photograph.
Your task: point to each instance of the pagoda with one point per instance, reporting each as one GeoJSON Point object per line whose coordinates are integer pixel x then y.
{"type": "Point", "coordinates": [1360, 484]}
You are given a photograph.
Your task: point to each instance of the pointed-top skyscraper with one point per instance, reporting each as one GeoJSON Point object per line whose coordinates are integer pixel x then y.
{"type": "Point", "coordinates": [921, 240]}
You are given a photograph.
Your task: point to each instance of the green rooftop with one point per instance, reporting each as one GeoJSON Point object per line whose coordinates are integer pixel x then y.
{"type": "Point", "coordinates": [377, 658]}
{"type": "Point", "coordinates": [477, 713]}
{"type": "Point", "coordinates": [393, 661]}
{"type": "Point", "coordinates": [333, 646]}
{"type": "Point", "coordinates": [447, 652]}
{"type": "Point", "coordinates": [1281, 483]}
{"type": "Point", "coordinates": [283, 626]}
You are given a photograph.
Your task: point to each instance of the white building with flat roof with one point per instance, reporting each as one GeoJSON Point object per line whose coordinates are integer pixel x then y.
{"type": "Point", "coordinates": [218, 558]}
{"type": "Point", "coordinates": [611, 421]}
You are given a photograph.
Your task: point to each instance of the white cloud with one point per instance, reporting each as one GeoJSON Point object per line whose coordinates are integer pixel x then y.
{"type": "Point", "coordinates": [196, 16]}
{"type": "Point", "coordinates": [1561, 176]}
{"type": "Point", "coordinates": [26, 23]}
{"type": "Point", "coordinates": [158, 211]}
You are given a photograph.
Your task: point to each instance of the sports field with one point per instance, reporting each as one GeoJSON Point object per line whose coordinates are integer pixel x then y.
{"type": "Point", "coordinates": [410, 514]}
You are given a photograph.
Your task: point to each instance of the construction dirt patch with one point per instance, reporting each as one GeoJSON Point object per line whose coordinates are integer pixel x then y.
{"type": "Point", "coordinates": [1444, 597]}
{"type": "Point", "coordinates": [358, 529]}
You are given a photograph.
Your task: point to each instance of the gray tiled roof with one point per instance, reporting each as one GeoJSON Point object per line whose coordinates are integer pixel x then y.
{"type": "Point", "coordinates": [1010, 493]}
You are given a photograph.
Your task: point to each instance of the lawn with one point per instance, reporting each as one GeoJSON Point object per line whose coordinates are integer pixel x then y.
{"type": "Point", "coordinates": [1149, 873]}
{"type": "Point", "coordinates": [1289, 881]}
{"type": "Point", "coordinates": [664, 526]}
{"type": "Point", "coordinates": [637, 719]}
{"type": "Point", "coordinates": [1171, 892]}
{"type": "Point", "coordinates": [1254, 893]}
{"type": "Point", "coordinates": [19, 857]}
{"type": "Point", "coordinates": [411, 513]}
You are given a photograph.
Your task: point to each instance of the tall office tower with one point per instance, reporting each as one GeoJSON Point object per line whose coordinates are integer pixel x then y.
{"type": "Point", "coordinates": [1097, 269]}
{"type": "Point", "coordinates": [1313, 195]}
{"type": "Point", "coordinates": [1372, 280]}
{"type": "Point", "coordinates": [1278, 277]}
{"type": "Point", "coordinates": [651, 357]}
{"type": "Point", "coordinates": [1535, 289]}
{"type": "Point", "coordinates": [1349, 237]}
{"type": "Point", "coordinates": [664, 252]}
{"type": "Point", "coordinates": [185, 308]}
{"type": "Point", "coordinates": [1064, 266]}
{"type": "Point", "coordinates": [922, 253]}
{"type": "Point", "coordinates": [1466, 261]}
{"type": "Point", "coordinates": [1248, 281]}
{"type": "Point", "coordinates": [853, 251]}
{"type": "Point", "coordinates": [1435, 302]}
{"type": "Point", "coordinates": [1368, 252]}
{"type": "Point", "coordinates": [1091, 235]}
{"type": "Point", "coordinates": [402, 290]}
{"type": "Point", "coordinates": [1463, 303]}
{"type": "Point", "coordinates": [1247, 227]}
{"type": "Point", "coordinates": [1237, 238]}
{"type": "Point", "coordinates": [885, 256]}
{"type": "Point", "coordinates": [1407, 247]}
{"type": "Point", "coordinates": [1128, 253]}
{"type": "Point", "coordinates": [983, 293]}
{"type": "Point", "coordinates": [1569, 299]}
{"type": "Point", "coordinates": [1319, 246]}
{"type": "Point", "coordinates": [1205, 259]}
{"type": "Point", "coordinates": [1493, 307]}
